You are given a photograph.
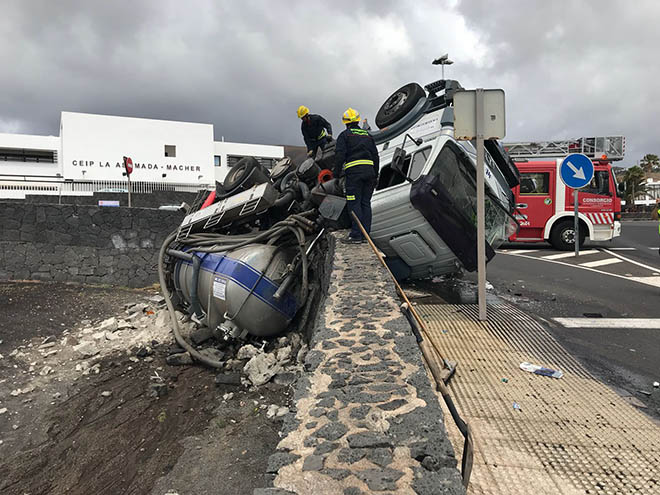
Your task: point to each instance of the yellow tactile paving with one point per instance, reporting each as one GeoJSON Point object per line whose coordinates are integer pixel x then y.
{"type": "Point", "coordinates": [571, 436]}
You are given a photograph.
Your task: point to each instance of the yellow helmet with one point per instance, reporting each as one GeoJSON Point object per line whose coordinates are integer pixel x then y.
{"type": "Point", "coordinates": [350, 115]}
{"type": "Point", "coordinates": [302, 111]}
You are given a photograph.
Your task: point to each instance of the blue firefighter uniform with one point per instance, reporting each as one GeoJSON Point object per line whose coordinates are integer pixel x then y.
{"type": "Point", "coordinates": [316, 131]}
{"type": "Point", "coordinates": [357, 158]}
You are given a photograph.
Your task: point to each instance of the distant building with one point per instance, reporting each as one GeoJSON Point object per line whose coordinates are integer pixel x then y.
{"type": "Point", "coordinates": [87, 156]}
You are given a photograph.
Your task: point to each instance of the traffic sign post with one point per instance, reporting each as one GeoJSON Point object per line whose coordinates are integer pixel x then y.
{"type": "Point", "coordinates": [479, 114]}
{"type": "Point", "coordinates": [128, 165]}
{"type": "Point", "coordinates": [576, 171]}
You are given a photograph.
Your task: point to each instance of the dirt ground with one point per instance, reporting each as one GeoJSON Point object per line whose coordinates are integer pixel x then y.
{"type": "Point", "coordinates": [107, 433]}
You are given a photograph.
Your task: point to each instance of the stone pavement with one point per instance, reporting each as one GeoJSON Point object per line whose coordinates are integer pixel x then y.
{"type": "Point", "coordinates": [366, 418]}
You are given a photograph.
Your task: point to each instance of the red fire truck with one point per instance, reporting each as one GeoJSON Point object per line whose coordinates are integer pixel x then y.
{"type": "Point", "coordinates": [544, 205]}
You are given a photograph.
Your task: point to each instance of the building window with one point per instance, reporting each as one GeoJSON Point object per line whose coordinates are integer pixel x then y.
{"type": "Point", "coordinates": [216, 161]}
{"type": "Point", "coordinates": [170, 150]}
{"type": "Point", "coordinates": [27, 155]}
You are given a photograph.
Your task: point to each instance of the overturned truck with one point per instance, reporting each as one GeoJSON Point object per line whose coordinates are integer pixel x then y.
{"type": "Point", "coordinates": [239, 263]}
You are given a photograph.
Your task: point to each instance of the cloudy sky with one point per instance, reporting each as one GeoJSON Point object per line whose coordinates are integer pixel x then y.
{"type": "Point", "coordinates": [569, 68]}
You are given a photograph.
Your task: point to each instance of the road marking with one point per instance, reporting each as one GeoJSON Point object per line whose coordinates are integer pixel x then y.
{"type": "Point", "coordinates": [623, 249]}
{"type": "Point", "coordinates": [639, 323]}
{"type": "Point", "coordinates": [521, 251]}
{"type": "Point", "coordinates": [608, 261]}
{"type": "Point", "coordinates": [652, 281]}
{"type": "Point", "coordinates": [648, 267]}
{"type": "Point", "coordinates": [568, 255]}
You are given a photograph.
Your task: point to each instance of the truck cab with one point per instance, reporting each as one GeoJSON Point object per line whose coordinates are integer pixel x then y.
{"type": "Point", "coordinates": [424, 207]}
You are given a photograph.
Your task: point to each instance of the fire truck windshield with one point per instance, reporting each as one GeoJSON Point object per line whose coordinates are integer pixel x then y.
{"type": "Point", "coordinates": [600, 184]}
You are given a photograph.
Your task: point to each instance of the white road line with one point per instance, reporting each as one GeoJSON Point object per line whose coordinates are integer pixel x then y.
{"type": "Point", "coordinates": [623, 249]}
{"type": "Point", "coordinates": [522, 251]}
{"type": "Point", "coordinates": [639, 323]}
{"type": "Point", "coordinates": [608, 261]}
{"type": "Point", "coordinates": [648, 267]}
{"type": "Point", "coordinates": [568, 255]}
{"type": "Point", "coordinates": [652, 281]}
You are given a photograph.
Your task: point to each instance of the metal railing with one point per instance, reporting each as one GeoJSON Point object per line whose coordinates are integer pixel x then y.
{"type": "Point", "coordinates": [89, 187]}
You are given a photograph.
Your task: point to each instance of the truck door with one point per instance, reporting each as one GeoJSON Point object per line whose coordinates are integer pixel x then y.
{"type": "Point", "coordinates": [534, 202]}
{"type": "Point", "coordinates": [596, 202]}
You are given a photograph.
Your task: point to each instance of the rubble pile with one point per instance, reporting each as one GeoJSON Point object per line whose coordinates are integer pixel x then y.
{"type": "Point", "coordinates": [137, 333]}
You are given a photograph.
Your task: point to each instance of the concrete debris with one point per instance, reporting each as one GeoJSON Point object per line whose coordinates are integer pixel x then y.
{"type": "Point", "coordinates": [112, 336]}
{"type": "Point", "coordinates": [656, 384]}
{"type": "Point", "coordinates": [228, 396]}
{"type": "Point", "coordinates": [163, 319]}
{"type": "Point", "coordinates": [20, 391]}
{"type": "Point", "coordinates": [136, 308]}
{"type": "Point", "coordinates": [106, 393]}
{"type": "Point", "coordinates": [157, 299]}
{"type": "Point", "coordinates": [283, 354]}
{"type": "Point", "coordinates": [247, 352]}
{"type": "Point", "coordinates": [261, 368]}
{"type": "Point", "coordinates": [109, 325]}
{"type": "Point", "coordinates": [212, 353]}
{"type": "Point", "coordinates": [47, 345]}
{"type": "Point", "coordinates": [3, 410]}
{"type": "Point", "coordinates": [47, 340]}
{"type": "Point", "coordinates": [86, 349]}
{"type": "Point", "coordinates": [45, 370]}
{"type": "Point", "coordinates": [275, 411]}
{"type": "Point", "coordinates": [96, 369]}
{"type": "Point", "coordinates": [180, 359]}
{"type": "Point", "coordinates": [124, 325]}
{"type": "Point", "coordinates": [13, 353]}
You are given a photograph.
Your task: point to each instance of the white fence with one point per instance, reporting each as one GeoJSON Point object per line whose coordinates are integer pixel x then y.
{"type": "Point", "coordinates": [19, 188]}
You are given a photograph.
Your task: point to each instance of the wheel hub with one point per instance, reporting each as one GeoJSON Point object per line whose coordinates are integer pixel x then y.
{"type": "Point", "coordinates": [568, 236]}
{"type": "Point", "coordinates": [395, 101]}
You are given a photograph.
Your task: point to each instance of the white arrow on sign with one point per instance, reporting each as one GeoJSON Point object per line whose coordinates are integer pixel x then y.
{"type": "Point", "coordinates": [578, 173]}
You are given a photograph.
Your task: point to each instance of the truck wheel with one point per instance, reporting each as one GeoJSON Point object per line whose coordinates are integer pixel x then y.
{"type": "Point", "coordinates": [399, 104]}
{"type": "Point", "coordinates": [563, 236]}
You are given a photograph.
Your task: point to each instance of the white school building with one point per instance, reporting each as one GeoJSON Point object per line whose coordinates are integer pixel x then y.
{"type": "Point", "coordinates": [88, 154]}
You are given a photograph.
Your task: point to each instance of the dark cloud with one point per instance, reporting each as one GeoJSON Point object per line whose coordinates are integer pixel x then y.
{"type": "Point", "coordinates": [568, 68]}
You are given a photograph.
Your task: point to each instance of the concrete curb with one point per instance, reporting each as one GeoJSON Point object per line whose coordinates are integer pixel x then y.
{"type": "Point", "coordinates": [365, 416]}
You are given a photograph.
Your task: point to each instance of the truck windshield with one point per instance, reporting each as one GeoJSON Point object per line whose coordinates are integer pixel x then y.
{"type": "Point", "coordinates": [600, 184]}
{"type": "Point", "coordinates": [457, 173]}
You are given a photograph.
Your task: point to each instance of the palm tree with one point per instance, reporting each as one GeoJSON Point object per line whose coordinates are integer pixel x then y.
{"type": "Point", "coordinates": [650, 162]}
{"type": "Point", "coordinates": [634, 180]}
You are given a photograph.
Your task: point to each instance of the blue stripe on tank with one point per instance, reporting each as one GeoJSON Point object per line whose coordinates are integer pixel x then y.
{"type": "Point", "coordinates": [246, 276]}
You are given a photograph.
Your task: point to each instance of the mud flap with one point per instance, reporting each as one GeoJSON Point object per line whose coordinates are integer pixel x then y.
{"type": "Point", "coordinates": [430, 197]}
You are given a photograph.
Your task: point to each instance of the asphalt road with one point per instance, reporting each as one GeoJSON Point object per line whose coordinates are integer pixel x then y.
{"type": "Point", "coordinates": [611, 285]}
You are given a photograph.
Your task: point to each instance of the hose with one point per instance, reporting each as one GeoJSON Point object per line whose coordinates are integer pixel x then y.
{"type": "Point", "coordinates": [170, 307]}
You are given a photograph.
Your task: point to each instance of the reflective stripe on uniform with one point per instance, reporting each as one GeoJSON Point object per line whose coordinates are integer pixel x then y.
{"type": "Point", "coordinates": [361, 132]}
{"type": "Point", "coordinates": [322, 135]}
{"type": "Point", "coordinates": [358, 162]}
{"type": "Point", "coordinates": [350, 197]}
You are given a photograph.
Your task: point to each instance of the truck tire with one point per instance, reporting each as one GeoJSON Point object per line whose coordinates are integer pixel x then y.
{"type": "Point", "coordinates": [399, 104]}
{"type": "Point", "coordinates": [247, 172]}
{"type": "Point", "coordinates": [562, 236]}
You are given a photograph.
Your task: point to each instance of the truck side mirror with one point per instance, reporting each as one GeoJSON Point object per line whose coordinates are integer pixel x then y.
{"type": "Point", "coordinates": [398, 160]}
{"type": "Point", "coordinates": [621, 187]}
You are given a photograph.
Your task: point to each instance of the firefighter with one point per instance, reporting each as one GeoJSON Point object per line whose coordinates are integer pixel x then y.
{"type": "Point", "coordinates": [356, 157]}
{"type": "Point", "coordinates": [315, 129]}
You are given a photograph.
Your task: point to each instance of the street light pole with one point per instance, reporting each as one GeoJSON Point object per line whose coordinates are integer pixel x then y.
{"type": "Point", "coordinates": [444, 60]}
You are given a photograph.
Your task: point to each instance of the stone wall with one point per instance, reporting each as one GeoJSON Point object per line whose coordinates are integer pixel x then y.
{"type": "Point", "coordinates": [366, 418]}
{"type": "Point", "coordinates": [140, 200]}
{"type": "Point", "coordinates": [87, 244]}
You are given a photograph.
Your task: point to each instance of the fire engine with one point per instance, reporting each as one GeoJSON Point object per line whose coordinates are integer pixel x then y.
{"type": "Point", "coordinates": [544, 205]}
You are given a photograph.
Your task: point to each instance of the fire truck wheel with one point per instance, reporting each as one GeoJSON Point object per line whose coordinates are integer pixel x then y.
{"type": "Point", "coordinates": [563, 236]}
{"type": "Point", "coordinates": [399, 104]}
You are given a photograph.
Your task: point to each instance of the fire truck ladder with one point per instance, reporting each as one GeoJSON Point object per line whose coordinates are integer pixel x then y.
{"type": "Point", "coordinates": [612, 147]}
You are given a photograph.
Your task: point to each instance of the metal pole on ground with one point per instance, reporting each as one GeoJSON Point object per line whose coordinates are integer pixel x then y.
{"type": "Point", "coordinates": [481, 221]}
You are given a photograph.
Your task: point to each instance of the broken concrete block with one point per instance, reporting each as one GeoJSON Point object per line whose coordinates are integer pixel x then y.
{"type": "Point", "coordinates": [247, 352]}
{"type": "Point", "coordinates": [109, 325]}
{"type": "Point", "coordinates": [261, 368]}
{"type": "Point", "coordinates": [180, 359]}
{"type": "Point", "coordinates": [86, 349]}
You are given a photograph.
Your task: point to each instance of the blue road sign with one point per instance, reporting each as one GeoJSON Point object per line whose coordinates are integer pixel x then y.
{"type": "Point", "coordinates": [576, 170]}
